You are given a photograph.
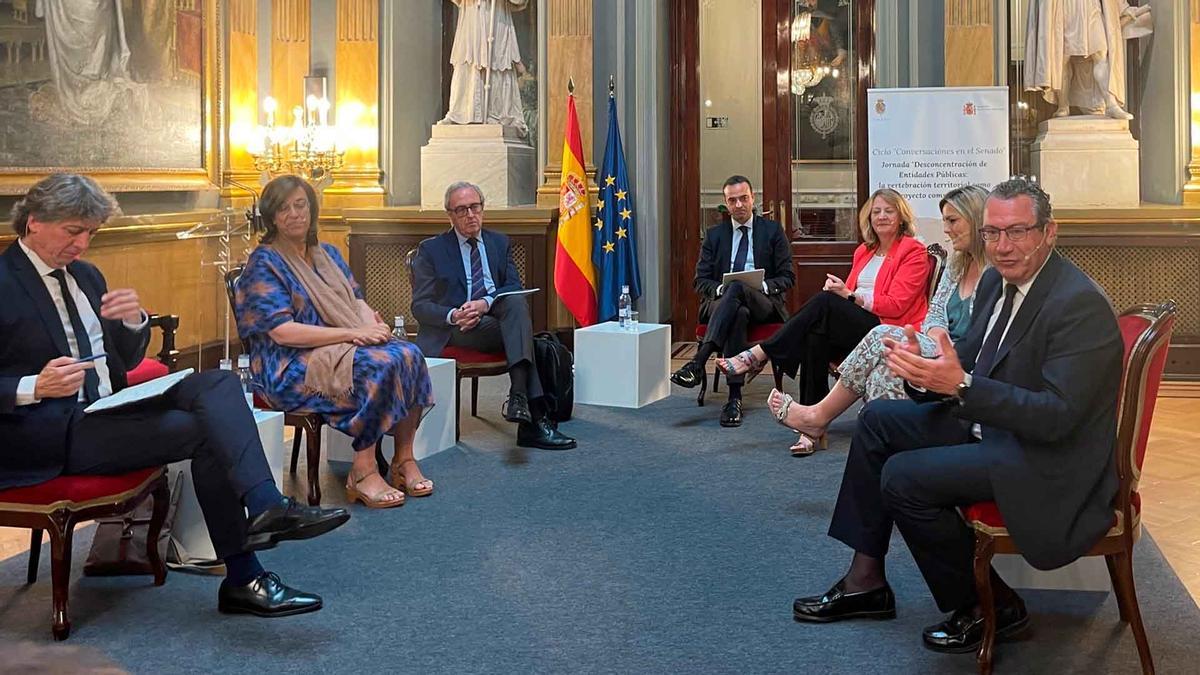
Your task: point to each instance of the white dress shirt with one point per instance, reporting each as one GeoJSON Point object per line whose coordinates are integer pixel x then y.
{"type": "Point", "coordinates": [736, 241]}
{"type": "Point", "coordinates": [91, 323]}
{"type": "Point", "coordinates": [865, 286]}
{"type": "Point", "coordinates": [1018, 298]}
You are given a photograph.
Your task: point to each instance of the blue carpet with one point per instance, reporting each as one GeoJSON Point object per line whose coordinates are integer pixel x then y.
{"type": "Point", "coordinates": [663, 544]}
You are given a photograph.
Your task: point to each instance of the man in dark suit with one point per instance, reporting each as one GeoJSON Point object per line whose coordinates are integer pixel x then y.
{"type": "Point", "coordinates": [58, 312]}
{"type": "Point", "coordinates": [1021, 411]}
{"type": "Point", "coordinates": [457, 277]}
{"type": "Point", "coordinates": [745, 243]}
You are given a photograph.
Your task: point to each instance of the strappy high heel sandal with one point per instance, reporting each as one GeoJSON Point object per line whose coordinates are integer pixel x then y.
{"type": "Point", "coordinates": [375, 501]}
{"type": "Point", "coordinates": [416, 488]}
{"type": "Point", "coordinates": [746, 358]}
{"type": "Point", "coordinates": [805, 445]}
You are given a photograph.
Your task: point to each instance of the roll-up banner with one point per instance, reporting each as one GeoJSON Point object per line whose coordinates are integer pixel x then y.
{"type": "Point", "coordinates": [925, 142]}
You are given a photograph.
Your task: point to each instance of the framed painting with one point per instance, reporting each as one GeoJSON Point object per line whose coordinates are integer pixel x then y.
{"type": "Point", "coordinates": [123, 90]}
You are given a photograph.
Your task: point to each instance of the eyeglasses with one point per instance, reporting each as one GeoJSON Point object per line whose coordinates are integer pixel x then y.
{"type": "Point", "coordinates": [1014, 233]}
{"type": "Point", "coordinates": [460, 211]}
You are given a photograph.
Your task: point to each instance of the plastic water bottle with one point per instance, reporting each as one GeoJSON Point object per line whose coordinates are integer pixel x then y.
{"type": "Point", "coordinates": [247, 380]}
{"type": "Point", "coordinates": [398, 328]}
{"type": "Point", "coordinates": [624, 307]}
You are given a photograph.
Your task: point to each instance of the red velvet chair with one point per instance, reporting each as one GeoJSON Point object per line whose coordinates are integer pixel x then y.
{"type": "Point", "coordinates": [1146, 330]}
{"type": "Point", "coordinates": [59, 504]}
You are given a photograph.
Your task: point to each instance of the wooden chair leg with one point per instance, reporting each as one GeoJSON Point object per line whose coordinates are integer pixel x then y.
{"type": "Point", "coordinates": [35, 556]}
{"type": "Point", "coordinates": [297, 433]}
{"type": "Point", "coordinates": [314, 463]}
{"type": "Point", "coordinates": [703, 389]}
{"type": "Point", "coordinates": [474, 397]}
{"type": "Point", "coordinates": [985, 548]}
{"type": "Point", "coordinates": [716, 380]}
{"type": "Point", "coordinates": [1114, 576]}
{"type": "Point", "coordinates": [61, 531]}
{"type": "Point", "coordinates": [162, 502]}
{"type": "Point", "coordinates": [457, 406]}
{"type": "Point", "coordinates": [381, 461]}
{"type": "Point", "coordinates": [1123, 585]}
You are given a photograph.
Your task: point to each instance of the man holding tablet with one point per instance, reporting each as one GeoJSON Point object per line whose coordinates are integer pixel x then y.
{"type": "Point", "coordinates": [747, 242]}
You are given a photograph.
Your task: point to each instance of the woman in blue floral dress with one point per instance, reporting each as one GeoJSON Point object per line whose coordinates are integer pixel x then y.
{"type": "Point", "coordinates": [315, 345]}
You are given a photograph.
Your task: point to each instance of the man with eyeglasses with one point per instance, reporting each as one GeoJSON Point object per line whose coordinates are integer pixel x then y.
{"type": "Point", "coordinates": [1021, 411]}
{"type": "Point", "coordinates": [747, 242]}
{"type": "Point", "coordinates": [457, 277]}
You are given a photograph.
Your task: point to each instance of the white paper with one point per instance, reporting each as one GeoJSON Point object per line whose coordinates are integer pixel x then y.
{"type": "Point", "coordinates": [139, 392]}
{"type": "Point", "coordinates": [523, 291]}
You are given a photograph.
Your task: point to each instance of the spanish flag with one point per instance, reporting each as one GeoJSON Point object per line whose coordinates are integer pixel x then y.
{"type": "Point", "coordinates": [574, 273]}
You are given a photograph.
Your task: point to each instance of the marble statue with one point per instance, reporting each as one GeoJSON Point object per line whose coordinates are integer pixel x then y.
{"type": "Point", "coordinates": [1075, 53]}
{"type": "Point", "coordinates": [477, 69]}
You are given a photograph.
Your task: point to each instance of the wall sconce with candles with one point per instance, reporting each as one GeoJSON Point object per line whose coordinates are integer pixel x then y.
{"type": "Point", "coordinates": [308, 148]}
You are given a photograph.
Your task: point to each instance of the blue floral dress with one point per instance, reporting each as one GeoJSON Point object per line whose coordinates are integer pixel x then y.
{"type": "Point", "coordinates": [389, 379]}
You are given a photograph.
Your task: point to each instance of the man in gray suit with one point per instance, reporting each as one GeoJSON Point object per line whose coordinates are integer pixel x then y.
{"type": "Point", "coordinates": [1022, 411]}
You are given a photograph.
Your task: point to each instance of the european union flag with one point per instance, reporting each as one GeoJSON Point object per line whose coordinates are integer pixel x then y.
{"type": "Point", "coordinates": [614, 246]}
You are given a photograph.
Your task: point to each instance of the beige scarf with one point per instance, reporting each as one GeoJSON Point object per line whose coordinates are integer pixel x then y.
{"type": "Point", "coordinates": [330, 370]}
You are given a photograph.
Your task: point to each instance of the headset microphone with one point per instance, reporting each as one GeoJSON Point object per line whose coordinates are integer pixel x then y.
{"type": "Point", "coordinates": [1035, 250]}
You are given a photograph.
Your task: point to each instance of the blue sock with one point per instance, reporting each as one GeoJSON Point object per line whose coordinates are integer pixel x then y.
{"type": "Point", "coordinates": [262, 497]}
{"type": "Point", "coordinates": [242, 568]}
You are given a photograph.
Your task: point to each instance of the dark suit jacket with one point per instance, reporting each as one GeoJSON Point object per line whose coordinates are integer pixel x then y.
{"type": "Point", "coordinates": [1049, 405]}
{"type": "Point", "coordinates": [35, 436]}
{"type": "Point", "coordinates": [771, 254]}
{"type": "Point", "coordinates": [440, 282]}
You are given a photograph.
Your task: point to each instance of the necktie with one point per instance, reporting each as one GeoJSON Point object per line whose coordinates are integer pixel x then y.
{"type": "Point", "coordinates": [478, 288]}
{"type": "Point", "coordinates": [739, 259]}
{"type": "Point", "coordinates": [987, 353]}
{"type": "Point", "coordinates": [91, 381]}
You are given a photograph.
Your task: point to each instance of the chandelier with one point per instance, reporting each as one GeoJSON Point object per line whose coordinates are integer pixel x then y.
{"type": "Point", "coordinates": [308, 148]}
{"type": "Point", "coordinates": [811, 62]}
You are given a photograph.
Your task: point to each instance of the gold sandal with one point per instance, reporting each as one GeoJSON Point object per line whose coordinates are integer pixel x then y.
{"type": "Point", "coordinates": [376, 501]}
{"type": "Point", "coordinates": [418, 488]}
{"type": "Point", "coordinates": [806, 444]}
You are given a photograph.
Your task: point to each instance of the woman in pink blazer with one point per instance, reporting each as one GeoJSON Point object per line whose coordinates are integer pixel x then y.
{"type": "Point", "coordinates": [887, 284]}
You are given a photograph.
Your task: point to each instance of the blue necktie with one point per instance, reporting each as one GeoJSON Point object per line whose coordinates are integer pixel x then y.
{"type": "Point", "coordinates": [987, 353]}
{"type": "Point", "coordinates": [91, 380]}
{"type": "Point", "coordinates": [478, 288]}
{"type": "Point", "coordinates": [739, 260]}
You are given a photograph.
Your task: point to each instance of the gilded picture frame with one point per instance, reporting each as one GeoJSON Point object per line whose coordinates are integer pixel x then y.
{"type": "Point", "coordinates": [129, 93]}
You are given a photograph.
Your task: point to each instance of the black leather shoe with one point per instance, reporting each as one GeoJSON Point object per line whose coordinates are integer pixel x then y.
{"type": "Point", "coordinates": [544, 435]}
{"type": "Point", "coordinates": [837, 604]}
{"type": "Point", "coordinates": [266, 596]}
{"type": "Point", "coordinates": [291, 520]}
{"type": "Point", "coordinates": [963, 631]}
{"type": "Point", "coordinates": [731, 414]}
{"type": "Point", "coordinates": [689, 375]}
{"type": "Point", "coordinates": [516, 409]}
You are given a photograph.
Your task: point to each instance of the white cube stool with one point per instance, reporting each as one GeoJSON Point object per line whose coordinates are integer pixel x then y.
{"type": "Point", "coordinates": [626, 369]}
{"type": "Point", "coordinates": [190, 545]}
{"type": "Point", "coordinates": [435, 434]}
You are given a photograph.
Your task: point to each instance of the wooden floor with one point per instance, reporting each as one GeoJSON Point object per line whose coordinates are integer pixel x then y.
{"type": "Point", "coordinates": [1170, 492]}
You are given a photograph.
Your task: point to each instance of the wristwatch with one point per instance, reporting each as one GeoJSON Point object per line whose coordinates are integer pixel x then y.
{"type": "Point", "coordinates": [852, 298]}
{"type": "Point", "coordinates": [961, 390]}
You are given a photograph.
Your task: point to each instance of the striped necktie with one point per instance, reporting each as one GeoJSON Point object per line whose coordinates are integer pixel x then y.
{"type": "Point", "coordinates": [91, 380]}
{"type": "Point", "coordinates": [478, 287]}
